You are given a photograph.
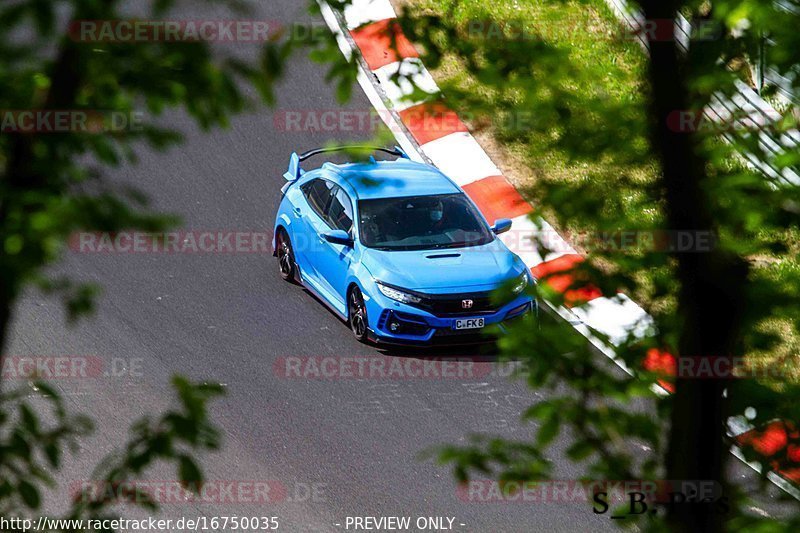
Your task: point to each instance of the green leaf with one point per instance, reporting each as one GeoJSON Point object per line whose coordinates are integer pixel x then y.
{"type": "Point", "coordinates": [580, 450]}
{"type": "Point", "coordinates": [548, 431]}
{"type": "Point", "coordinates": [29, 420]}
{"type": "Point", "coordinates": [29, 494]}
{"type": "Point", "coordinates": [19, 445]}
{"type": "Point", "coordinates": [343, 90]}
{"type": "Point", "coordinates": [53, 453]}
{"type": "Point", "coordinates": [189, 473]}
{"type": "Point", "coordinates": [539, 411]}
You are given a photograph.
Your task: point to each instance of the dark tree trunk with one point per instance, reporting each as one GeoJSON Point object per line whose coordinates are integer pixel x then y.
{"type": "Point", "coordinates": [711, 297]}
{"type": "Point", "coordinates": [21, 175]}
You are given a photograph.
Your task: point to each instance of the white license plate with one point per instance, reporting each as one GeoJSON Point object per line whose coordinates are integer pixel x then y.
{"type": "Point", "coordinates": [469, 323]}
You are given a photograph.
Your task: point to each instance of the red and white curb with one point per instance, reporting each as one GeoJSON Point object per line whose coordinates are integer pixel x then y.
{"type": "Point", "coordinates": [431, 132]}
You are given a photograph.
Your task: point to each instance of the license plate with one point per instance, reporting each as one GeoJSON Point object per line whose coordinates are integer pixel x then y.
{"type": "Point", "coordinates": [469, 323]}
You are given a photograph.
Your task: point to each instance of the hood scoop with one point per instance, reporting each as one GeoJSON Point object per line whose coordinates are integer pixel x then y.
{"type": "Point", "coordinates": [442, 256]}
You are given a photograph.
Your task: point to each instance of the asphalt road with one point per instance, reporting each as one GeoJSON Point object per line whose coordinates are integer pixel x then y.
{"type": "Point", "coordinates": [228, 317]}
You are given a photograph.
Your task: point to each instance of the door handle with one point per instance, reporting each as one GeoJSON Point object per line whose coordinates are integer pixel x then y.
{"type": "Point", "coordinates": [297, 212]}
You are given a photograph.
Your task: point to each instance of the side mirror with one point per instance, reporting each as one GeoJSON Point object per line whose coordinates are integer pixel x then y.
{"type": "Point", "coordinates": [338, 236]}
{"type": "Point", "coordinates": [501, 225]}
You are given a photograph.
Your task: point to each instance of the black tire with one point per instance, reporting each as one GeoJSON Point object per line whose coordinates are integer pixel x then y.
{"type": "Point", "coordinates": [283, 250]}
{"type": "Point", "coordinates": [357, 315]}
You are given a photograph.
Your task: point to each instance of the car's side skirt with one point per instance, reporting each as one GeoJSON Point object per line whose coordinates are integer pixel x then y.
{"type": "Point", "coordinates": [320, 293]}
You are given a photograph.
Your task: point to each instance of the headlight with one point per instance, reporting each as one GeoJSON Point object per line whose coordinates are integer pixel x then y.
{"type": "Point", "coordinates": [520, 282]}
{"type": "Point", "coordinates": [397, 294]}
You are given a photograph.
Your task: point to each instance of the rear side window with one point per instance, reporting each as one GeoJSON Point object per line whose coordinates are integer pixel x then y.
{"type": "Point", "coordinates": [340, 211]}
{"type": "Point", "coordinates": [318, 194]}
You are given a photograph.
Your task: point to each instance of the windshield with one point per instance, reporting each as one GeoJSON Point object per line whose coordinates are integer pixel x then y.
{"type": "Point", "coordinates": [421, 223]}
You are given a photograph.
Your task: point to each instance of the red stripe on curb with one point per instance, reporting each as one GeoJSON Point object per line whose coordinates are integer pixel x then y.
{"type": "Point", "coordinates": [778, 438]}
{"type": "Point", "coordinates": [497, 198]}
{"type": "Point", "coordinates": [664, 363]}
{"type": "Point", "coordinates": [431, 120]}
{"type": "Point", "coordinates": [383, 43]}
{"type": "Point", "coordinates": [558, 276]}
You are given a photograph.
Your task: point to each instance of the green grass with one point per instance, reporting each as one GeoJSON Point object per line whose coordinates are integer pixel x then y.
{"type": "Point", "coordinates": [587, 32]}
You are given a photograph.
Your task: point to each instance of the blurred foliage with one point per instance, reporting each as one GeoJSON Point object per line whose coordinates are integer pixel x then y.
{"type": "Point", "coordinates": [33, 442]}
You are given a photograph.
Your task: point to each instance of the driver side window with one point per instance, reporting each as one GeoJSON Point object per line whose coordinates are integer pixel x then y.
{"type": "Point", "coordinates": [340, 211]}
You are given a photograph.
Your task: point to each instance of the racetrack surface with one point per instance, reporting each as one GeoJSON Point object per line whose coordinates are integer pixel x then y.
{"type": "Point", "coordinates": [228, 317]}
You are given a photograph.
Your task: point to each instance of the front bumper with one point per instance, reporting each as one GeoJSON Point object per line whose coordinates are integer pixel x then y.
{"type": "Point", "coordinates": [392, 322]}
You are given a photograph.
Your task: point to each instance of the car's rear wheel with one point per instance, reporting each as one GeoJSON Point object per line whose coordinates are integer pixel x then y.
{"type": "Point", "coordinates": [357, 315]}
{"type": "Point", "coordinates": [283, 249]}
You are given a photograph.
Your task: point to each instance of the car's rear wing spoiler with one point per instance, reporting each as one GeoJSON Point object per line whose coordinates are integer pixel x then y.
{"type": "Point", "coordinates": [295, 171]}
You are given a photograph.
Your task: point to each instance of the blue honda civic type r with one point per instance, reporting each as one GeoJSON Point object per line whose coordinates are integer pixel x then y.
{"type": "Point", "coordinates": [398, 251]}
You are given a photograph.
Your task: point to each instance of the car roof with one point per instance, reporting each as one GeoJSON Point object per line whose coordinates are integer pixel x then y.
{"type": "Point", "coordinates": [390, 179]}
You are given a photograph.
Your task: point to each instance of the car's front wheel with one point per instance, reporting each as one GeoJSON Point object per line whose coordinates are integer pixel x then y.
{"type": "Point", "coordinates": [357, 314]}
{"type": "Point", "coordinates": [285, 254]}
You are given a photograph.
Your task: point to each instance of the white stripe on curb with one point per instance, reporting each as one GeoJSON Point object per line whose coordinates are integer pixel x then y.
{"type": "Point", "coordinates": [520, 240]}
{"type": "Point", "coordinates": [523, 238]}
{"type": "Point", "coordinates": [361, 12]}
{"type": "Point", "coordinates": [461, 158]}
{"type": "Point", "coordinates": [553, 241]}
{"type": "Point", "coordinates": [617, 317]}
{"type": "Point", "coordinates": [398, 94]}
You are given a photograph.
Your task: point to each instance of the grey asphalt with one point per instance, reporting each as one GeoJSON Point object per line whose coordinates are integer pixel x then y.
{"type": "Point", "coordinates": [228, 317]}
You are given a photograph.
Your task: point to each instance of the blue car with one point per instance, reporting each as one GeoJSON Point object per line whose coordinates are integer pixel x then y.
{"type": "Point", "coordinates": [398, 251]}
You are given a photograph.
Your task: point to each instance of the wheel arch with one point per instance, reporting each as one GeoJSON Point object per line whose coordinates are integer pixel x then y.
{"type": "Point", "coordinates": [278, 228]}
{"type": "Point", "coordinates": [350, 286]}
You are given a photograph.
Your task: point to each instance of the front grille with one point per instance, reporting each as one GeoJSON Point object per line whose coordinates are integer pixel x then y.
{"type": "Point", "coordinates": [453, 305]}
